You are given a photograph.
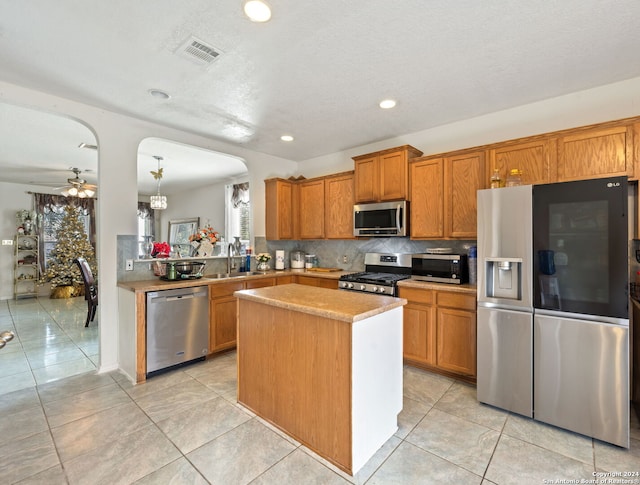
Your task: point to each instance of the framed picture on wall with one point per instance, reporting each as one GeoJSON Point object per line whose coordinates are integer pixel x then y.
{"type": "Point", "coordinates": [179, 232]}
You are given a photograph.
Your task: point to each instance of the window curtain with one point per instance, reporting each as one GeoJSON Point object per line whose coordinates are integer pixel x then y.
{"type": "Point", "coordinates": [240, 194]}
{"type": "Point", "coordinates": [56, 203]}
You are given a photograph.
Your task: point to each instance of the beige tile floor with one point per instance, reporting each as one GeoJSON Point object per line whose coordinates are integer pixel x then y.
{"type": "Point", "coordinates": [184, 427]}
{"type": "Point", "coordinates": [51, 341]}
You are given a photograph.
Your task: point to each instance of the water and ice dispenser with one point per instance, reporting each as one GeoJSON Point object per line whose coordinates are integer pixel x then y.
{"type": "Point", "coordinates": [503, 278]}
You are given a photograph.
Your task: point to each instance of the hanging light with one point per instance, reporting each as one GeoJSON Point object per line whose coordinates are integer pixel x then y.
{"type": "Point", "coordinates": [158, 202]}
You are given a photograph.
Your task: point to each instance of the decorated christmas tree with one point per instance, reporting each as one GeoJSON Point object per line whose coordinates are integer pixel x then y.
{"type": "Point", "coordinates": [72, 243]}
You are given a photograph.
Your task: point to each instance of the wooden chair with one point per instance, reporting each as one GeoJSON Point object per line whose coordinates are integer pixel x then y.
{"type": "Point", "coordinates": [90, 289]}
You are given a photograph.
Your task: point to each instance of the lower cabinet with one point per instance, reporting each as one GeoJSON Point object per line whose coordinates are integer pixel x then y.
{"type": "Point", "coordinates": [332, 284]}
{"type": "Point", "coordinates": [440, 331]}
{"type": "Point", "coordinates": [223, 308]}
{"type": "Point", "coordinates": [222, 315]}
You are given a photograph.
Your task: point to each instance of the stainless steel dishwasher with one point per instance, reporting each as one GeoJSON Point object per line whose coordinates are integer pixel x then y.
{"type": "Point", "coordinates": [177, 327]}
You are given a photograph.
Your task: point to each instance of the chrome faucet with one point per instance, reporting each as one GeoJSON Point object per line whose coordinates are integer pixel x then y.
{"type": "Point", "coordinates": [231, 261]}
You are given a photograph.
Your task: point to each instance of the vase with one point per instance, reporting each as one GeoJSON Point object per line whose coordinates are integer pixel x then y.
{"type": "Point", "coordinates": [147, 247]}
{"type": "Point", "coordinates": [27, 227]}
{"type": "Point", "coordinates": [263, 266]}
{"type": "Point", "coordinates": [237, 246]}
{"type": "Point", "coordinates": [205, 249]}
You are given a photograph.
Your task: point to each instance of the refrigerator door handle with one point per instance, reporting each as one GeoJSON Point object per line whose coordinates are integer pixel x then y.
{"type": "Point", "coordinates": [581, 316]}
{"type": "Point", "coordinates": [503, 305]}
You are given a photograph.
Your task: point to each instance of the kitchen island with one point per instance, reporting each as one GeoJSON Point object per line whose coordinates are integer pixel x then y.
{"type": "Point", "coordinates": [324, 366]}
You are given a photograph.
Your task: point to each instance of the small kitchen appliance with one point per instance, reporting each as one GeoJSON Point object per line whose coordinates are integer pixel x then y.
{"type": "Point", "coordinates": [381, 275]}
{"type": "Point", "coordinates": [384, 219]}
{"type": "Point", "coordinates": [440, 268]}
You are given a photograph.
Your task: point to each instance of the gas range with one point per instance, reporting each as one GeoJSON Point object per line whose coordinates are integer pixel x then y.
{"type": "Point", "coordinates": [382, 272]}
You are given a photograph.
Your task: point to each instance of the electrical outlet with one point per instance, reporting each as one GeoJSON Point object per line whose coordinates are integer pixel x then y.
{"type": "Point", "coordinates": [344, 259]}
{"type": "Point", "coordinates": [7, 242]}
{"type": "Point", "coordinates": [129, 265]}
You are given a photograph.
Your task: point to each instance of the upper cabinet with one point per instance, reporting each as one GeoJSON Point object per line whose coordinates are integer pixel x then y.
{"type": "Point", "coordinates": [338, 206]}
{"type": "Point", "coordinates": [384, 175]}
{"type": "Point", "coordinates": [463, 177]}
{"type": "Point", "coordinates": [311, 216]}
{"type": "Point", "coordinates": [443, 195]}
{"type": "Point", "coordinates": [442, 188]}
{"type": "Point", "coordinates": [536, 160]}
{"type": "Point", "coordinates": [600, 152]}
{"type": "Point", "coordinates": [318, 208]}
{"type": "Point", "coordinates": [427, 196]}
{"type": "Point", "coordinates": [279, 218]}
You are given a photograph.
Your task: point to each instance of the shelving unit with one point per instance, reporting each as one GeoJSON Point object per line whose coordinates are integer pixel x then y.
{"type": "Point", "coordinates": [27, 267]}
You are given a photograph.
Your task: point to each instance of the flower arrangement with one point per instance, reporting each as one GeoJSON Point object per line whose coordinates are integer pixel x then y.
{"type": "Point", "coordinates": [206, 233]}
{"type": "Point", "coordinates": [160, 250]}
{"type": "Point", "coordinates": [263, 257]}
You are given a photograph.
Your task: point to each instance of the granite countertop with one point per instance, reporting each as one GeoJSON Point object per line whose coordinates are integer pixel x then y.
{"type": "Point", "coordinates": [428, 285]}
{"type": "Point", "coordinates": [347, 306]}
{"type": "Point", "coordinates": [156, 284]}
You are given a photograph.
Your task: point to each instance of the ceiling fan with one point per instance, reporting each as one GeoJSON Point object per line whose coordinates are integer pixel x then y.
{"type": "Point", "coordinates": [78, 187]}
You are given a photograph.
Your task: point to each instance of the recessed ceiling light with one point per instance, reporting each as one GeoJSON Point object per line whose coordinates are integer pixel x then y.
{"type": "Point", "coordinates": [286, 138]}
{"type": "Point", "coordinates": [157, 93]}
{"type": "Point", "coordinates": [257, 11]}
{"type": "Point", "coordinates": [387, 103]}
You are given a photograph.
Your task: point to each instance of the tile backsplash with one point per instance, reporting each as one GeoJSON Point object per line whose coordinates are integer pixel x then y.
{"type": "Point", "coordinates": [330, 253]}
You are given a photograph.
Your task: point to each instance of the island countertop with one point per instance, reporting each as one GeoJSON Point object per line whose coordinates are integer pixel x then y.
{"type": "Point", "coordinates": [346, 306]}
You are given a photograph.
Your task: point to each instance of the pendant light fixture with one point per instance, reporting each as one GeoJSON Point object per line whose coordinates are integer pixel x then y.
{"type": "Point", "coordinates": [158, 202]}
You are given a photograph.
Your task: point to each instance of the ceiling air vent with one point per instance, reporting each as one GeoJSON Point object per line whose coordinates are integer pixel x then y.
{"type": "Point", "coordinates": [196, 50]}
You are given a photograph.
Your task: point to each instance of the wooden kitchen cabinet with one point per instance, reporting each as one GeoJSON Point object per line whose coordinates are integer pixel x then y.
{"type": "Point", "coordinates": [311, 203]}
{"type": "Point", "coordinates": [440, 331]}
{"type": "Point", "coordinates": [222, 311]}
{"type": "Point", "coordinates": [464, 175]}
{"type": "Point", "coordinates": [427, 196]}
{"type": "Point", "coordinates": [222, 315]}
{"type": "Point", "coordinates": [329, 283]}
{"type": "Point", "coordinates": [338, 206]}
{"type": "Point", "coordinates": [593, 153]}
{"type": "Point", "coordinates": [419, 332]}
{"type": "Point", "coordinates": [443, 196]}
{"type": "Point", "coordinates": [384, 175]}
{"type": "Point", "coordinates": [537, 160]}
{"type": "Point", "coordinates": [456, 332]}
{"type": "Point", "coordinates": [279, 201]}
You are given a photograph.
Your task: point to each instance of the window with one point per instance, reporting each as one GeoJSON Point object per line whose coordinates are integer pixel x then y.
{"type": "Point", "coordinates": [238, 212]}
{"type": "Point", "coordinates": [50, 209]}
{"type": "Point", "coordinates": [51, 221]}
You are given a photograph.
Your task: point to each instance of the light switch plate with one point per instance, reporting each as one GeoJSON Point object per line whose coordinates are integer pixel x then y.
{"type": "Point", "coordinates": [7, 242]}
{"type": "Point", "coordinates": [129, 265]}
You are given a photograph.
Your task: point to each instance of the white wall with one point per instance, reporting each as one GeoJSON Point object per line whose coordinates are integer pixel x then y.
{"type": "Point", "coordinates": [118, 138]}
{"type": "Point", "coordinates": [606, 103]}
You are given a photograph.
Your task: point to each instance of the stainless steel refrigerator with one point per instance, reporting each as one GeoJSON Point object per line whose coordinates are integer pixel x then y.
{"type": "Point", "coordinates": [553, 328]}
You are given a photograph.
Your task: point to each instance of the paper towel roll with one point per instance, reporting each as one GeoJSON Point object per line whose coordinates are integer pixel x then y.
{"type": "Point", "coordinates": [279, 259]}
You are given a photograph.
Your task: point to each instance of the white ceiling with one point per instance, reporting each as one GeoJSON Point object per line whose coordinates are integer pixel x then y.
{"type": "Point", "coordinates": [317, 70]}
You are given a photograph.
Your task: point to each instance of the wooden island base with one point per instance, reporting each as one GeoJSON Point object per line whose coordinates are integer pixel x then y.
{"type": "Point", "coordinates": [325, 366]}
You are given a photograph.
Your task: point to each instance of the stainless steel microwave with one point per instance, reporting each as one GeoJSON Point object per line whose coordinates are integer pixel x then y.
{"type": "Point", "coordinates": [441, 268]}
{"type": "Point", "coordinates": [385, 219]}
